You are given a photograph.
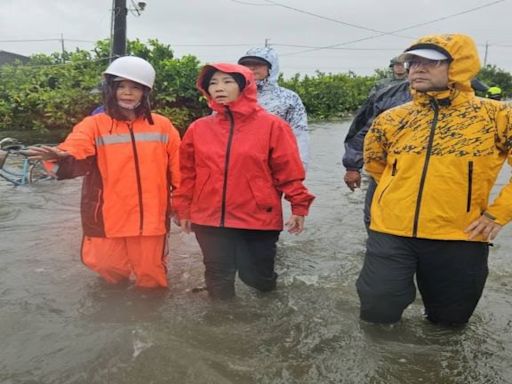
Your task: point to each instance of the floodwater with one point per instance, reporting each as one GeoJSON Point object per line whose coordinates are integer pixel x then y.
{"type": "Point", "coordinates": [60, 324]}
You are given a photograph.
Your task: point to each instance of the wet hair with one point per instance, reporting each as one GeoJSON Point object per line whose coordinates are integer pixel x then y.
{"type": "Point", "coordinates": [114, 110]}
{"type": "Point", "coordinates": [238, 77]}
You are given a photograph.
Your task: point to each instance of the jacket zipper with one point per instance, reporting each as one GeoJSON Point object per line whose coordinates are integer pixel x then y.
{"type": "Point", "coordinates": [470, 185]}
{"type": "Point", "coordinates": [139, 184]}
{"type": "Point", "coordinates": [226, 165]}
{"type": "Point", "coordinates": [435, 106]}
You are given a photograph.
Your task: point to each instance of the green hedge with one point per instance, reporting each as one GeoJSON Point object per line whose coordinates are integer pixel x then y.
{"type": "Point", "coordinates": [53, 92]}
{"type": "Point", "coordinates": [56, 91]}
{"type": "Point", "coordinates": [329, 96]}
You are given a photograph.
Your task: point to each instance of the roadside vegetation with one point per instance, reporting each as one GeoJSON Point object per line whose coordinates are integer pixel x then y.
{"type": "Point", "coordinates": [50, 94]}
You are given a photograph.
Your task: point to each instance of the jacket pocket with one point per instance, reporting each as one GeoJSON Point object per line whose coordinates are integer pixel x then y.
{"type": "Point", "coordinates": [393, 173]}
{"type": "Point", "coordinates": [393, 169]}
{"type": "Point", "coordinates": [262, 192]}
{"type": "Point", "coordinates": [470, 186]}
{"type": "Point", "coordinates": [202, 178]}
{"type": "Point", "coordinates": [92, 204]}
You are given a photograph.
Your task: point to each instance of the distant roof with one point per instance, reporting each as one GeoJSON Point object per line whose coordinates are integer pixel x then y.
{"type": "Point", "coordinates": [9, 57]}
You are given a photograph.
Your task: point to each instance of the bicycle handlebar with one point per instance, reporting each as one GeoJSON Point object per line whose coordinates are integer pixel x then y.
{"type": "Point", "coordinates": [13, 147]}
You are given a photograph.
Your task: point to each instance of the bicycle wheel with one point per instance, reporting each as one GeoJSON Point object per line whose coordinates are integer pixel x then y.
{"type": "Point", "coordinates": [14, 168]}
{"type": "Point", "coordinates": [3, 157]}
{"type": "Point", "coordinates": [37, 173]}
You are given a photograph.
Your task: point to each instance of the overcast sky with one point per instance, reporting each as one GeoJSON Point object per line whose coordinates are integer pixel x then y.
{"type": "Point", "coordinates": [222, 30]}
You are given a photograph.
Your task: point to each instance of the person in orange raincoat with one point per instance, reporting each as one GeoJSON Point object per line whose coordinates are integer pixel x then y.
{"type": "Point", "coordinates": [236, 164]}
{"type": "Point", "coordinates": [129, 157]}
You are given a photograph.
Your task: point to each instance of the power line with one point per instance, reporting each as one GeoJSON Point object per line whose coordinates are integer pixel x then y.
{"type": "Point", "coordinates": [43, 40]}
{"type": "Point", "coordinates": [214, 45]}
{"type": "Point", "coordinates": [28, 40]}
{"type": "Point", "coordinates": [337, 48]}
{"type": "Point", "coordinates": [276, 4]}
{"type": "Point", "coordinates": [357, 26]}
{"type": "Point", "coordinates": [83, 41]}
{"type": "Point", "coordinates": [370, 49]}
{"type": "Point", "coordinates": [453, 15]}
{"type": "Point", "coordinates": [393, 33]}
{"type": "Point", "coordinates": [380, 33]}
{"type": "Point", "coordinates": [93, 42]}
{"type": "Point", "coordinates": [247, 3]}
{"type": "Point", "coordinates": [217, 45]}
{"type": "Point", "coordinates": [37, 66]}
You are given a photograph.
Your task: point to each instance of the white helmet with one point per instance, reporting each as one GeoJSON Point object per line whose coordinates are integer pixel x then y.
{"type": "Point", "coordinates": [132, 68]}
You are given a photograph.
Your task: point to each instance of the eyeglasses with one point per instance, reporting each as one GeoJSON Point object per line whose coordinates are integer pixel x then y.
{"type": "Point", "coordinates": [425, 63]}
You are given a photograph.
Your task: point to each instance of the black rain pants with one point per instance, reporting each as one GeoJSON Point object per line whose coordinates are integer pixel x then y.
{"type": "Point", "coordinates": [227, 250]}
{"type": "Point", "coordinates": [450, 275]}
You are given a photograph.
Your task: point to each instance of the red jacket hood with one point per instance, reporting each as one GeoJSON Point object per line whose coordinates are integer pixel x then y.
{"type": "Point", "coordinates": [246, 103]}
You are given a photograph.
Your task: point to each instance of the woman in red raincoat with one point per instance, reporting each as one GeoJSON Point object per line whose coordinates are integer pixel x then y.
{"type": "Point", "coordinates": [235, 166]}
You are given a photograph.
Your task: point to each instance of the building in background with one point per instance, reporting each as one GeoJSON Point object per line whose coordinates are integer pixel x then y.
{"type": "Point", "coordinates": [10, 58]}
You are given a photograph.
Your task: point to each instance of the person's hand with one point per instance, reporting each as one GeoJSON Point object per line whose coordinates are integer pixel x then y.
{"type": "Point", "coordinates": [483, 226]}
{"type": "Point", "coordinates": [295, 224]}
{"type": "Point", "coordinates": [352, 179]}
{"type": "Point", "coordinates": [186, 225]}
{"type": "Point", "coordinates": [44, 153]}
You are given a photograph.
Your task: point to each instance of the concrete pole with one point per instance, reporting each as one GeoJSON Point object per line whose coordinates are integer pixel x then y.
{"type": "Point", "coordinates": [118, 38]}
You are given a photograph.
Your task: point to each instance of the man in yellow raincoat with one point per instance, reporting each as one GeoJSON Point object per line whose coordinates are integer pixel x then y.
{"type": "Point", "coordinates": [435, 159]}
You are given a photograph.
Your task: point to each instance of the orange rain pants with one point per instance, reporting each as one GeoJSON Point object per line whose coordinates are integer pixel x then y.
{"type": "Point", "coordinates": [116, 258]}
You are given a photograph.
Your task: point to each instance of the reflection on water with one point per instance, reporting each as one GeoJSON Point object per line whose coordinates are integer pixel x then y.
{"type": "Point", "coordinates": [60, 324]}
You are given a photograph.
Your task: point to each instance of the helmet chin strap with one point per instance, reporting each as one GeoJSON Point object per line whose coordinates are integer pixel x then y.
{"type": "Point", "coordinates": [130, 107]}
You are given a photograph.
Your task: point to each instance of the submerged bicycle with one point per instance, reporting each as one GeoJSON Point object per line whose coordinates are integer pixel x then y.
{"type": "Point", "coordinates": [17, 168]}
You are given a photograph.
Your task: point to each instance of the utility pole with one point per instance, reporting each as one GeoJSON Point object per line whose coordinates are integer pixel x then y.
{"type": "Point", "coordinates": [62, 43]}
{"type": "Point", "coordinates": [118, 29]}
{"type": "Point", "coordinates": [485, 55]}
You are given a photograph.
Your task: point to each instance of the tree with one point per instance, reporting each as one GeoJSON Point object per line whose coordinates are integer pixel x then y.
{"type": "Point", "coordinates": [54, 92]}
{"type": "Point", "coordinates": [494, 76]}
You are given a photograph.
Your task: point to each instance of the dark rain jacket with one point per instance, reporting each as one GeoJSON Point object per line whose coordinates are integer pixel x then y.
{"type": "Point", "coordinates": [386, 82]}
{"type": "Point", "coordinates": [376, 104]}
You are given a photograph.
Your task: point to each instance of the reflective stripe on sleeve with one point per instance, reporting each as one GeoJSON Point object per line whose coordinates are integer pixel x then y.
{"type": "Point", "coordinates": [125, 138]}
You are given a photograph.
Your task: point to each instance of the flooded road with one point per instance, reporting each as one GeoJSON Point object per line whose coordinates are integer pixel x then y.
{"type": "Point", "coordinates": [60, 324]}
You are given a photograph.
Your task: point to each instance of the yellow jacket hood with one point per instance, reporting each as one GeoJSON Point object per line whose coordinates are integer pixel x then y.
{"type": "Point", "coordinates": [463, 55]}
